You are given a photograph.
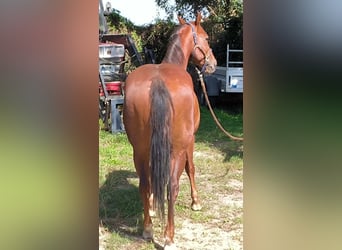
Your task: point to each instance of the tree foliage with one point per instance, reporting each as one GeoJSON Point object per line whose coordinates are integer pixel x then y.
{"type": "Point", "coordinates": [223, 21]}
{"type": "Point", "coordinates": [118, 24]}
{"type": "Point", "coordinates": [156, 37]}
{"type": "Point", "coordinates": [186, 8]}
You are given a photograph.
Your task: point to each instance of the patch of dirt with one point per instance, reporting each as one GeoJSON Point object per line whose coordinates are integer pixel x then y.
{"type": "Point", "coordinates": [223, 228]}
{"type": "Point", "coordinates": [217, 226]}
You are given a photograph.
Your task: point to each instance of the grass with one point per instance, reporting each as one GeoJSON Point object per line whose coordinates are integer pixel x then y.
{"type": "Point", "coordinates": [208, 130]}
{"type": "Point", "coordinates": [218, 160]}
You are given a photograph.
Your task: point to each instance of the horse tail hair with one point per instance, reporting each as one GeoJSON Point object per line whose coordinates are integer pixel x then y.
{"type": "Point", "coordinates": [160, 150]}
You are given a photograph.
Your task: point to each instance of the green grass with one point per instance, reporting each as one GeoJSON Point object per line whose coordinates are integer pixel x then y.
{"type": "Point", "coordinates": [208, 130]}
{"type": "Point", "coordinates": [217, 159]}
{"type": "Point", "coordinates": [209, 135]}
{"type": "Point", "coordinates": [115, 153]}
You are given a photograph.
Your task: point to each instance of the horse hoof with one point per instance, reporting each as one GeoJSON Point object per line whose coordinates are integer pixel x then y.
{"type": "Point", "coordinates": [170, 247]}
{"type": "Point", "coordinates": [196, 207]}
{"type": "Point", "coordinates": [148, 233]}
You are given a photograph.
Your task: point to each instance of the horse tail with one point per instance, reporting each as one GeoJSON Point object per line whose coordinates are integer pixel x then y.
{"type": "Point", "coordinates": [160, 150]}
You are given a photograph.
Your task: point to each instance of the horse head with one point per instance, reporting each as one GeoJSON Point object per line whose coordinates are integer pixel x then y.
{"type": "Point", "coordinates": [201, 54]}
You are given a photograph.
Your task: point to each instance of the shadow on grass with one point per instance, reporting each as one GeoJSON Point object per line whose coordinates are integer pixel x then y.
{"type": "Point", "coordinates": [120, 208]}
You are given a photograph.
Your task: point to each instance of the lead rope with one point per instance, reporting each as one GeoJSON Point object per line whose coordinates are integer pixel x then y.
{"type": "Point", "coordinates": [212, 112]}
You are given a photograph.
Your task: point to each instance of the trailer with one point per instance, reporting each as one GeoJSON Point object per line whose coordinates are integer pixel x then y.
{"type": "Point", "coordinates": [226, 79]}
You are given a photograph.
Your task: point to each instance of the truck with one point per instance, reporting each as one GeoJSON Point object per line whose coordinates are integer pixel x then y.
{"type": "Point", "coordinates": [115, 51]}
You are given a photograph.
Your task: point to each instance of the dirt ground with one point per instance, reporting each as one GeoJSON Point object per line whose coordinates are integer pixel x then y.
{"type": "Point", "coordinates": [219, 224]}
{"type": "Point", "coordinates": [217, 233]}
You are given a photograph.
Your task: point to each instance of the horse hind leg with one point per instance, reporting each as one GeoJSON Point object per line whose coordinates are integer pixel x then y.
{"type": "Point", "coordinates": [172, 196]}
{"type": "Point", "coordinates": [151, 210]}
{"type": "Point", "coordinates": [190, 170]}
{"type": "Point", "coordinates": [144, 190]}
{"type": "Point", "coordinates": [148, 227]}
{"type": "Point", "coordinates": [148, 232]}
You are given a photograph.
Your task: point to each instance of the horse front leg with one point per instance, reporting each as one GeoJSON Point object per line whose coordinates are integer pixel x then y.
{"type": "Point", "coordinates": [190, 170]}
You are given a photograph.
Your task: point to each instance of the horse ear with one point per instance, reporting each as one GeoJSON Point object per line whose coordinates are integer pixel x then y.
{"type": "Point", "coordinates": [198, 18]}
{"type": "Point", "coordinates": [181, 20]}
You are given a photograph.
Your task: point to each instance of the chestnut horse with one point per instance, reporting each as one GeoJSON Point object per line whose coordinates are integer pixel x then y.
{"type": "Point", "coordinates": [161, 115]}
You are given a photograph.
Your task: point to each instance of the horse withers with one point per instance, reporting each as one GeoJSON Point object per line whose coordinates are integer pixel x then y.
{"type": "Point", "coordinates": [161, 115]}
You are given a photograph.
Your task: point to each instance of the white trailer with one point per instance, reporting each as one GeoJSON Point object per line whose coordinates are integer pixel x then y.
{"type": "Point", "coordinates": [231, 76]}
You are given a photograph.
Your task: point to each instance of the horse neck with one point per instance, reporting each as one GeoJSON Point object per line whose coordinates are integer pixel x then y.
{"type": "Point", "coordinates": [179, 49]}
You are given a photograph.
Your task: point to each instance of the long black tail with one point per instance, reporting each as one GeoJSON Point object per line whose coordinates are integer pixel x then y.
{"type": "Point", "coordinates": [160, 152]}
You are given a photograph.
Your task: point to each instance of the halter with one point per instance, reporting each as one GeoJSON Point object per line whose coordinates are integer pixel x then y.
{"type": "Point", "coordinates": [206, 56]}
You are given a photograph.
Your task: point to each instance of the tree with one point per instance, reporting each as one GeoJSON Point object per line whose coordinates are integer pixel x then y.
{"type": "Point", "coordinates": [223, 22]}
{"type": "Point", "coordinates": [156, 37]}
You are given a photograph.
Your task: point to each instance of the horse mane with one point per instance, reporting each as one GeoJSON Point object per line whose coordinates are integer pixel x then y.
{"type": "Point", "coordinates": [174, 52]}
